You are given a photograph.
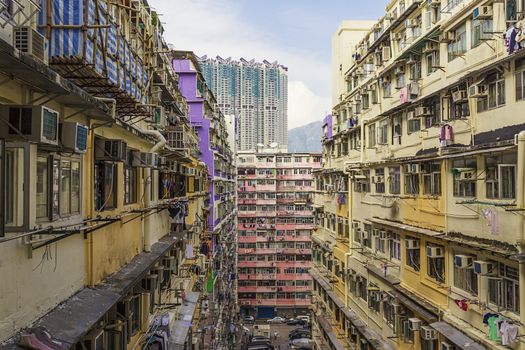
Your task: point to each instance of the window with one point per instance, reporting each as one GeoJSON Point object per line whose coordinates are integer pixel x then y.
{"type": "Point", "coordinates": [397, 129]}
{"type": "Point", "coordinates": [412, 183]}
{"type": "Point", "coordinates": [394, 179]}
{"type": "Point", "coordinates": [458, 47]}
{"type": "Point", "coordinates": [130, 184]}
{"type": "Point", "coordinates": [69, 187]}
{"type": "Point", "coordinates": [465, 279]}
{"type": "Point", "coordinates": [135, 307]}
{"type": "Point", "coordinates": [105, 186]}
{"type": "Point", "coordinates": [481, 30]}
{"type": "Point", "coordinates": [374, 298]}
{"type": "Point", "coordinates": [415, 70]}
{"type": "Point", "coordinates": [7, 8]}
{"type": "Point", "coordinates": [380, 180]}
{"type": "Point", "coordinates": [382, 132]}
{"type": "Point", "coordinates": [363, 185]}
{"type": "Point", "coordinates": [367, 236]}
{"type": "Point", "coordinates": [413, 122]}
{"type": "Point", "coordinates": [496, 93]}
{"type": "Point", "coordinates": [511, 10]}
{"type": "Point", "coordinates": [388, 311]}
{"type": "Point", "coordinates": [362, 288]}
{"type": "Point", "coordinates": [413, 255]}
{"type": "Point", "coordinates": [432, 178]}
{"type": "Point", "coordinates": [464, 173]}
{"type": "Point", "coordinates": [42, 187]}
{"type": "Point", "coordinates": [371, 135]}
{"type": "Point", "coordinates": [387, 89]}
{"type": "Point", "coordinates": [432, 62]}
{"type": "Point", "coordinates": [501, 176]}
{"type": "Point", "coordinates": [436, 263]}
{"type": "Point", "coordinates": [504, 290]}
{"type": "Point", "coordinates": [395, 246]}
{"type": "Point", "coordinates": [520, 79]}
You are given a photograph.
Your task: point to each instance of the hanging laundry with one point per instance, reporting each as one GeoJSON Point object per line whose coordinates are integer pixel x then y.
{"type": "Point", "coordinates": [462, 304]}
{"type": "Point", "coordinates": [413, 90]}
{"type": "Point", "coordinates": [446, 136]}
{"type": "Point", "coordinates": [403, 95]}
{"type": "Point", "coordinates": [487, 316]}
{"type": "Point", "coordinates": [511, 35]}
{"type": "Point", "coordinates": [509, 333]}
{"type": "Point", "coordinates": [189, 251]}
{"type": "Point", "coordinates": [493, 328]}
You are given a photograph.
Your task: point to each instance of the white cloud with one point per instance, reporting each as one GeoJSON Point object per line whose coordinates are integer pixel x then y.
{"type": "Point", "coordinates": [305, 106]}
{"type": "Point", "coordinates": [217, 27]}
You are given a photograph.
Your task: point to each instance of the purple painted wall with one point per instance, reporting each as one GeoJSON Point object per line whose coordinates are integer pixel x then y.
{"type": "Point", "coordinates": [188, 87]}
{"type": "Point", "coordinates": [327, 121]}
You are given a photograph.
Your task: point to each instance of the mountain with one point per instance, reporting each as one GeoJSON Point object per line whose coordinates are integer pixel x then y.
{"type": "Point", "coordinates": [306, 138]}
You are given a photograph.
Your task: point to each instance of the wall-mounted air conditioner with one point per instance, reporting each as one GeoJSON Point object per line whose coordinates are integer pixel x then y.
{"type": "Point", "coordinates": [434, 252]}
{"type": "Point", "coordinates": [428, 333]}
{"type": "Point", "coordinates": [31, 42]}
{"type": "Point", "coordinates": [463, 261]}
{"type": "Point", "coordinates": [111, 150]}
{"type": "Point", "coordinates": [486, 268]}
{"type": "Point", "coordinates": [74, 136]}
{"type": "Point", "coordinates": [414, 324]}
{"type": "Point", "coordinates": [411, 244]}
{"type": "Point", "coordinates": [32, 123]}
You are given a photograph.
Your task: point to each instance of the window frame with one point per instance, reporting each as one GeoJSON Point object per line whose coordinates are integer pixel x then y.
{"type": "Point", "coordinates": [131, 184]}
{"type": "Point", "coordinates": [23, 188]}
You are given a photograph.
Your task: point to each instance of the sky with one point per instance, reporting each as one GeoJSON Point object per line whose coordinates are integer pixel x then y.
{"type": "Point", "coordinates": [296, 33]}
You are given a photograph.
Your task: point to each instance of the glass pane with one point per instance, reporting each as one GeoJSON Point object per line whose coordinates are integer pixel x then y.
{"type": "Point", "coordinates": [65, 187]}
{"type": "Point", "coordinates": [42, 183]}
{"type": "Point", "coordinates": [75, 187]}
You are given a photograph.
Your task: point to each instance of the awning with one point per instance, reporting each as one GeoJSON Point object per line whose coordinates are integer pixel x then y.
{"type": "Point", "coordinates": [327, 328]}
{"type": "Point", "coordinates": [405, 227]}
{"type": "Point", "coordinates": [458, 338]}
{"type": "Point", "coordinates": [415, 303]}
{"type": "Point", "coordinates": [180, 328]}
{"type": "Point", "coordinates": [71, 320]}
{"type": "Point", "coordinates": [381, 274]}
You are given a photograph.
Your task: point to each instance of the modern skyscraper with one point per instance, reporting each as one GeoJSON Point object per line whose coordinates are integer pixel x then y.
{"type": "Point", "coordinates": [256, 92]}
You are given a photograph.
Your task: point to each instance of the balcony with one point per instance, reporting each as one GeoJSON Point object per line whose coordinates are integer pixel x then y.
{"type": "Point", "coordinates": [246, 188]}
{"type": "Point", "coordinates": [285, 200]}
{"type": "Point", "coordinates": [246, 213]}
{"type": "Point", "coordinates": [293, 276]}
{"type": "Point", "coordinates": [265, 214]}
{"type": "Point", "coordinates": [286, 177]}
{"type": "Point", "coordinates": [248, 239]}
{"type": "Point", "coordinates": [270, 201]}
{"type": "Point", "coordinates": [246, 201]}
{"type": "Point", "coordinates": [285, 188]}
{"type": "Point", "coordinates": [265, 188]}
{"type": "Point", "coordinates": [257, 276]}
{"type": "Point", "coordinates": [182, 139]}
{"type": "Point", "coordinates": [270, 289]}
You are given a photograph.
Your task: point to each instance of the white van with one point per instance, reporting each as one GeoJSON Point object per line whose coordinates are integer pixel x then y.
{"type": "Point", "coordinates": [304, 318]}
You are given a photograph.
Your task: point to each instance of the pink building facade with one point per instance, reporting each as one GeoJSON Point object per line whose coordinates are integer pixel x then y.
{"type": "Point", "coordinates": [275, 222]}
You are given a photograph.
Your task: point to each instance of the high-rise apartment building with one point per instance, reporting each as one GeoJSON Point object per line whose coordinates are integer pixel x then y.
{"type": "Point", "coordinates": [255, 92]}
{"type": "Point", "coordinates": [420, 237]}
{"type": "Point", "coordinates": [275, 223]}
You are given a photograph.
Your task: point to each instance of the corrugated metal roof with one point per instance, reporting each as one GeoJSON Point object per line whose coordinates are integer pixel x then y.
{"type": "Point", "coordinates": [458, 338]}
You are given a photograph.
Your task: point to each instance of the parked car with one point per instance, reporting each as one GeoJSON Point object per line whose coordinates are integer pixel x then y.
{"type": "Point", "coordinates": [305, 335]}
{"type": "Point", "coordinates": [260, 345]}
{"type": "Point", "coordinates": [259, 338]}
{"type": "Point", "coordinates": [301, 342]}
{"type": "Point", "coordinates": [293, 322]}
{"type": "Point", "coordinates": [299, 331]}
{"type": "Point", "coordinates": [248, 319]}
{"type": "Point", "coordinates": [276, 320]}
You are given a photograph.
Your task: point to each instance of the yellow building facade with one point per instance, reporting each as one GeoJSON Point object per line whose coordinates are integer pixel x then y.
{"type": "Point", "coordinates": [104, 209]}
{"type": "Point", "coordinates": [425, 152]}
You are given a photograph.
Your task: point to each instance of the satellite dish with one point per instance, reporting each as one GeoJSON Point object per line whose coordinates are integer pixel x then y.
{"type": "Point", "coordinates": [274, 144]}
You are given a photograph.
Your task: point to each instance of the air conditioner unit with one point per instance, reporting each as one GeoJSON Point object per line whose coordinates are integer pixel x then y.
{"type": "Point", "coordinates": [399, 70]}
{"type": "Point", "coordinates": [460, 96]}
{"type": "Point", "coordinates": [148, 160]}
{"type": "Point", "coordinates": [428, 333]}
{"type": "Point", "coordinates": [431, 46]}
{"type": "Point", "coordinates": [411, 244]}
{"type": "Point", "coordinates": [94, 340]}
{"type": "Point", "coordinates": [412, 23]}
{"type": "Point", "coordinates": [412, 59]}
{"type": "Point", "coordinates": [463, 261]}
{"type": "Point", "coordinates": [74, 136]}
{"type": "Point", "coordinates": [434, 252]}
{"type": "Point", "coordinates": [31, 42]}
{"type": "Point", "coordinates": [447, 346]}
{"type": "Point", "coordinates": [485, 268]}
{"type": "Point", "coordinates": [414, 324]}
{"type": "Point", "coordinates": [162, 162]}
{"type": "Point", "coordinates": [38, 124]}
{"type": "Point", "coordinates": [447, 37]}
{"type": "Point", "coordinates": [478, 90]}
{"type": "Point", "coordinates": [423, 111]}
{"type": "Point", "coordinates": [378, 179]}
{"type": "Point", "coordinates": [482, 12]}
{"type": "Point", "coordinates": [111, 150]}
{"type": "Point", "coordinates": [397, 36]}
{"type": "Point", "coordinates": [415, 168]}
{"type": "Point", "coordinates": [467, 175]}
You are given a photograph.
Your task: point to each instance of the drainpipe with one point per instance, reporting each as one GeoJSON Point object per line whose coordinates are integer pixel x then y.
{"type": "Point", "coordinates": [520, 203]}
{"type": "Point", "coordinates": [91, 209]}
{"type": "Point", "coordinates": [159, 136]}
